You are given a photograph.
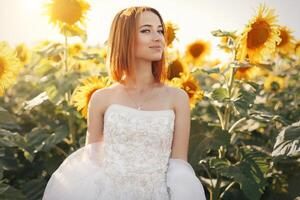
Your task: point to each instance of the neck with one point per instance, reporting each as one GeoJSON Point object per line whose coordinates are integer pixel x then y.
{"type": "Point", "coordinates": [144, 78]}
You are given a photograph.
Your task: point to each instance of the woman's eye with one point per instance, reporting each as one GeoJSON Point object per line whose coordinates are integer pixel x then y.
{"type": "Point", "coordinates": [161, 31]}
{"type": "Point", "coordinates": [144, 31]}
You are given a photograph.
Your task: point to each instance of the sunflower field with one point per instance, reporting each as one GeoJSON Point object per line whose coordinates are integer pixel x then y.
{"type": "Point", "coordinates": [245, 112]}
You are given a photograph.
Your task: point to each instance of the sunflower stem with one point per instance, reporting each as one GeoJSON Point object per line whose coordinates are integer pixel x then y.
{"type": "Point", "coordinates": [226, 189]}
{"type": "Point", "coordinates": [72, 129]}
{"type": "Point", "coordinates": [61, 151]}
{"type": "Point", "coordinates": [209, 175]}
{"type": "Point", "coordinates": [66, 51]}
{"type": "Point", "coordinates": [228, 105]}
{"type": "Point", "coordinates": [236, 123]}
{"type": "Point", "coordinates": [219, 115]}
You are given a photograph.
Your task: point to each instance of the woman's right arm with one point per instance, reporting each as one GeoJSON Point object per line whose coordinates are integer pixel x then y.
{"type": "Point", "coordinates": [96, 109]}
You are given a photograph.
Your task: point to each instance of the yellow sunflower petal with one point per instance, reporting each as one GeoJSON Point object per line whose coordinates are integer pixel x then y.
{"type": "Point", "coordinates": [192, 87]}
{"type": "Point", "coordinates": [82, 94]}
{"type": "Point", "coordinates": [197, 51]}
{"type": "Point", "coordinates": [171, 30]}
{"type": "Point", "coordinates": [259, 39]}
{"type": "Point", "coordinates": [67, 12]}
{"type": "Point", "coordinates": [75, 49]}
{"type": "Point", "coordinates": [287, 43]}
{"type": "Point", "coordinates": [10, 67]}
{"type": "Point", "coordinates": [176, 68]}
{"type": "Point", "coordinates": [274, 83]}
{"type": "Point", "coordinates": [23, 53]}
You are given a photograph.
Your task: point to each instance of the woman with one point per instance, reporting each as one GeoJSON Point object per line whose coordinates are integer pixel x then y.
{"type": "Point", "coordinates": [138, 128]}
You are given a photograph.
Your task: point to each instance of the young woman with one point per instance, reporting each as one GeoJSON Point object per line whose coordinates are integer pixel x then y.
{"type": "Point", "coordinates": [138, 128]}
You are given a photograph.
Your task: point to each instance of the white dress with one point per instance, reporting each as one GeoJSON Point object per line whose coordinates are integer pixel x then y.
{"type": "Point", "coordinates": [133, 162]}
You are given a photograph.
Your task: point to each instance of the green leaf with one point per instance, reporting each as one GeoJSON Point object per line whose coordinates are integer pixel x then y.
{"type": "Point", "coordinates": [244, 174]}
{"type": "Point", "coordinates": [211, 70]}
{"type": "Point", "coordinates": [244, 101]}
{"type": "Point", "coordinates": [34, 189]}
{"type": "Point", "coordinates": [218, 164]}
{"type": "Point", "coordinates": [7, 159]}
{"type": "Point", "coordinates": [59, 134]}
{"type": "Point", "coordinates": [8, 192]}
{"type": "Point", "coordinates": [288, 141]}
{"type": "Point", "coordinates": [254, 85]}
{"type": "Point", "coordinates": [45, 69]}
{"type": "Point", "coordinates": [211, 140]}
{"type": "Point", "coordinates": [71, 31]}
{"type": "Point", "coordinates": [39, 99]}
{"type": "Point", "coordinates": [53, 94]}
{"type": "Point", "coordinates": [10, 139]}
{"type": "Point", "coordinates": [220, 94]}
{"type": "Point", "coordinates": [220, 33]}
{"type": "Point", "coordinates": [5, 117]}
{"type": "Point", "coordinates": [52, 49]}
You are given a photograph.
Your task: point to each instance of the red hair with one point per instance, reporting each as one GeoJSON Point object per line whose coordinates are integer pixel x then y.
{"type": "Point", "coordinates": [121, 44]}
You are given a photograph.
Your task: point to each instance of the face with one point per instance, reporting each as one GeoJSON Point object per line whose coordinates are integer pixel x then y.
{"type": "Point", "coordinates": [150, 40]}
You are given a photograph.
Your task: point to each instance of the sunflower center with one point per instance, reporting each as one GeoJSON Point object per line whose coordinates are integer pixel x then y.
{"type": "Point", "coordinates": [284, 38]}
{"type": "Point", "coordinates": [196, 50]}
{"type": "Point", "coordinates": [297, 48]}
{"type": "Point", "coordinates": [190, 88]}
{"type": "Point", "coordinates": [170, 34]}
{"type": "Point", "coordinates": [258, 35]}
{"type": "Point", "coordinates": [275, 86]}
{"type": "Point", "coordinates": [243, 69]}
{"type": "Point", "coordinates": [174, 69]}
{"type": "Point", "coordinates": [68, 11]}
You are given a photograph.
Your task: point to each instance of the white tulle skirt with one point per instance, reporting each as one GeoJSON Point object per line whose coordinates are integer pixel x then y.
{"type": "Point", "coordinates": [81, 177]}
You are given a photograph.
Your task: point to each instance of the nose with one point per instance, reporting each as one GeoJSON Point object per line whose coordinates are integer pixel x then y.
{"type": "Point", "coordinates": [156, 36]}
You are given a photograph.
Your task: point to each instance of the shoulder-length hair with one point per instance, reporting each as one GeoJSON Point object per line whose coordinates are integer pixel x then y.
{"type": "Point", "coordinates": [121, 45]}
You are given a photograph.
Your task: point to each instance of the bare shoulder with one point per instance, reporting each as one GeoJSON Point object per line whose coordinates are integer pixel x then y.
{"type": "Point", "coordinates": [179, 96]}
{"type": "Point", "coordinates": [101, 97]}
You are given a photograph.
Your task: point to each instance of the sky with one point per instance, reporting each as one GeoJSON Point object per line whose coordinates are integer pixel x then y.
{"type": "Point", "coordinates": [22, 21]}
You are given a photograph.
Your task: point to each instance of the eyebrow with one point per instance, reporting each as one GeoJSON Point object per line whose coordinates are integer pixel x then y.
{"type": "Point", "coordinates": [149, 25]}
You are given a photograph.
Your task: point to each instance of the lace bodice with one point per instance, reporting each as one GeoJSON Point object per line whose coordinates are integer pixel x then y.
{"type": "Point", "coordinates": [137, 146]}
{"type": "Point", "coordinates": [137, 141]}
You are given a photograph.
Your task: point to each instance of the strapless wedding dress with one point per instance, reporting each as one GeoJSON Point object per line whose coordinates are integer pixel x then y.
{"type": "Point", "coordinates": [132, 163]}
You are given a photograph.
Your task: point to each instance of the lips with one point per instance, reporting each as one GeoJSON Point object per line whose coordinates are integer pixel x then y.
{"type": "Point", "coordinates": [158, 47]}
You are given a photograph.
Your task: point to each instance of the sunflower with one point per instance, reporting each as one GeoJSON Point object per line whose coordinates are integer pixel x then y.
{"type": "Point", "coordinates": [196, 52]}
{"type": "Point", "coordinates": [82, 94]}
{"type": "Point", "coordinates": [175, 68]}
{"type": "Point", "coordinates": [10, 66]}
{"type": "Point", "coordinates": [171, 30]}
{"type": "Point", "coordinates": [101, 54]}
{"type": "Point", "coordinates": [23, 53]}
{"type": "Point", "coordinates": [250, 73]}
{"type": "Point", "coordinates": [67, 12]}
{"type": "Point", "coordinates": [274, 83]}
{"type": "Point", "coordinates": [192, 87]}
{"type": "Point", "coordinates": [259, 37]}
{"type": "Point", "coordinates": [227, 42]}
{"type": "Point", "coordinates": [74, 49]}
{"type": "Point", "coordinates": [79, 65]}
{"type": "Point", "coordinates": [224, 44]}
{"type": "Point", "coordinates": [287, 43]}
{"type": "Point", "coordinates": [297, 49]}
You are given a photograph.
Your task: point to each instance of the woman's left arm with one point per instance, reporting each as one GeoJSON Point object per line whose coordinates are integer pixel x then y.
{"type": "Point", "coordinates": [182, 182]}
{"type": "Point", "coordinates": [181, 135]}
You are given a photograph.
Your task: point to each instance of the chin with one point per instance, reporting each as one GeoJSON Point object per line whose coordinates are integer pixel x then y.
{"type": "Point", "coordinates": [156, 59]}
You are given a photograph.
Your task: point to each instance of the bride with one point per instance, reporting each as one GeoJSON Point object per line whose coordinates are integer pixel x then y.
{"type": "Point", "coordinates": [138, 128]}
